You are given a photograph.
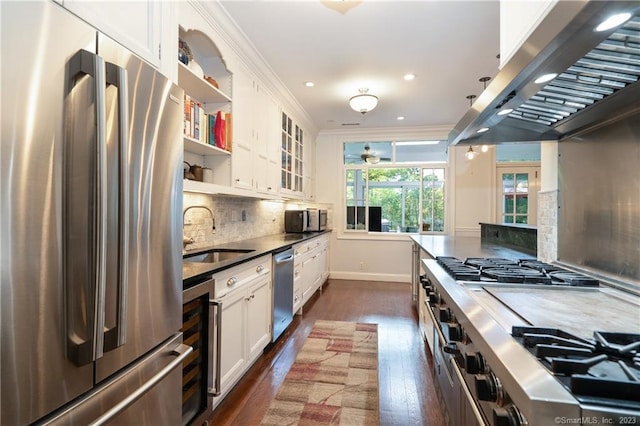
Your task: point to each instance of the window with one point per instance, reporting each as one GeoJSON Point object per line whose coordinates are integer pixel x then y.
{"type": "Point", "coordinates": [518, 187]}
{"type": "Point", "coordinates": [383, 195]}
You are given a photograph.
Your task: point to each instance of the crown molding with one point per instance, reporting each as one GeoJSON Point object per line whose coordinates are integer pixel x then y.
{"type": "Point", "coordinates": [247, 54]}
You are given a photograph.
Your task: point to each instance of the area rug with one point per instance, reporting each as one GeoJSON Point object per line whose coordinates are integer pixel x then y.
{"type": "Point", "coordinates": [334, 379]}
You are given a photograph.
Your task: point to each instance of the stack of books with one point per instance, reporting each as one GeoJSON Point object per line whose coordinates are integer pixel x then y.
{"type": "Point", "coordinates": [213, 129]}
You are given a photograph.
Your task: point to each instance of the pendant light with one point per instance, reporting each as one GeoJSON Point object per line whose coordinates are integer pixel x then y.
{"type": "Point", "coordinates": [470, 154]}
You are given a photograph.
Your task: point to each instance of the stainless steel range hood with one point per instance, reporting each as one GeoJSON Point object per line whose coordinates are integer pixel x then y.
{"type": "Point", "coordinates": [597, 80]}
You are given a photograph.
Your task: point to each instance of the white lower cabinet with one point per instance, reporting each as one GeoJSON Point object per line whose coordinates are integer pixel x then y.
{"type": "Point", "coordinates": [258, 317]}
{"type": "Point", "coordinates": [311, 268]}
{"type": "Point", "coordinates": [233, 342]}
{"type": "Point", "coordinates": [244, 292]}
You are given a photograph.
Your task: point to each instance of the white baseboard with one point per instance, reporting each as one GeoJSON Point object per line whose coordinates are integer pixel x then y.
{"type": "Point", "coordinates": [467, 231]}
{"type": "Point", "coordinates": [369, 276]}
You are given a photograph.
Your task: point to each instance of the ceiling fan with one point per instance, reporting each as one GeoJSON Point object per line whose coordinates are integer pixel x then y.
{"type": "Point", "coordinates": [369, 157]}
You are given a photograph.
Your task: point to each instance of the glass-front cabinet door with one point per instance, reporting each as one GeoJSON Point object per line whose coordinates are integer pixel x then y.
{"type": "Point", "coordinates": [291, 176]}
{"type": "Point", "coordinates": [518, 189]}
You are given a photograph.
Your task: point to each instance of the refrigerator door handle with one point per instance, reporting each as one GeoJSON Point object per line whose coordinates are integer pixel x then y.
{"type": "Point", "coordinates": [215, 391]}
{"type": "Point", "coordinates": [117, 76]}
{"type": "Point", "coordinates": [80, 351]}
{"type": "Point", "coordinates": [181, 353]}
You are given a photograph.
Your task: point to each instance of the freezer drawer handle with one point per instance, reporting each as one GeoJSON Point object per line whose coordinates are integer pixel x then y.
{"type": "Point", "coordinates": [80, 351]}
{"type": "Point", "coordinates": [181, 352]}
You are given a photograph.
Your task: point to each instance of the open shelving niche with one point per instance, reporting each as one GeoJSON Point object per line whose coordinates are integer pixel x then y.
{"type": "Point", "coordinates": [207, 55]}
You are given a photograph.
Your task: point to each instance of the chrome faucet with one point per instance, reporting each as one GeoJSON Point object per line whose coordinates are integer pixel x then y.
{"type": "Point", "coordinates": [186, 240]}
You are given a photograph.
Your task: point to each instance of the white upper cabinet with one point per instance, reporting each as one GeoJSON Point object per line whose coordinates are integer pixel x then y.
{"type": "Point", "coordinates": [518, 19]}
{"type": "Point", "coordinates": [256, 137]}
{"type": "Point", "coordinates": [135, 24]}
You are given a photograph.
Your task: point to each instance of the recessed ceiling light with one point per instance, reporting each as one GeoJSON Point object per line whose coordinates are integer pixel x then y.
{"type": "Point", "coordinates": [613, 21]}
{"type": "Point", "coordinates": [484, 148]}
{"type": "Point", "coordinates": [546, 77]}
{"type": "Point", "coordinates": [309, 83]}
{"type": "Point", "coordinates": [482, 130]}
{"type": "Point", "coordinates": [505, 111]}
{"type": "Point", "coordinates": [400, 118]}
{"type": "Point", "coordinates": [409, 76]}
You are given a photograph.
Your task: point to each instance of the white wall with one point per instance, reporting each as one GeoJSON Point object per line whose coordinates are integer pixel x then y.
{"type": "Point", "coordinates": [473, 190]}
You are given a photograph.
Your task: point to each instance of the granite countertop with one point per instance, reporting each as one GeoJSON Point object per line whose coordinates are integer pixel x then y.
{"type": "Point", "coordinates": [511, 225]}
{"type": "Point", "coordinates": [192, 271]}
{"type": "Point", "coordinates": [463, 247]}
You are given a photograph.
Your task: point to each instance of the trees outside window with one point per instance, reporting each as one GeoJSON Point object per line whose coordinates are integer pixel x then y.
{"type": "Point", "coordinates": [395, 199]}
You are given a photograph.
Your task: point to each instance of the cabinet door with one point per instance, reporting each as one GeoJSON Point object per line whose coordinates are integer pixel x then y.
{"type": "Point", "coordinates": [243, 112]}
{"type": "Point", "coordinates": [309, 275]}
{"type": "Point", "coordinates": [134, 24]}
{"type": "Point", "coordinates": [233, 343]}
{"type": "Point", "coordinates": [258, 317]}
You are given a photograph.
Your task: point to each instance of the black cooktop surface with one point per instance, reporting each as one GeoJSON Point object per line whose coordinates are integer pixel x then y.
{"type": "Point", "coordinates": [524, 271]}
{"type": "Point", "coordinates": [604, 370]}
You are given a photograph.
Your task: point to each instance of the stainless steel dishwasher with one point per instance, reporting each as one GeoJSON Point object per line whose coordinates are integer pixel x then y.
{"type": "Point", "coordinates": [282, 291]}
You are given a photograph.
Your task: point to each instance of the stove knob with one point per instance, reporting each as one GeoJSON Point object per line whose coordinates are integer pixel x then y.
{"type": "Point", "coordinates": [509, 416]}
{"type": "Point", "coordinates": [445, 314]}
{"type": "Point", "coordinates": [455, 332]}
{"type": "Point", "coordinates": [434, 298]}
{"type": "Point", "coordinates": [474, 363]}
{"type": "Point", "coordinates": [488, 388]}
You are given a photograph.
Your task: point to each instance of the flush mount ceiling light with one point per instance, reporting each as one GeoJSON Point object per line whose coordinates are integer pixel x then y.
{"type": "Point", "coordinates": [364, 102]}
{"type": "Point", "coordinates": [409, 76]}
{"type": "Point", "coordinates": [470, 154]}
{"type": "Point", "coordinates": [340, 6]}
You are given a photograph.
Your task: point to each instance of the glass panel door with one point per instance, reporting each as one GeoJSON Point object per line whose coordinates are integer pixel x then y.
{"type": "Point", "coordinates": [518, 188]}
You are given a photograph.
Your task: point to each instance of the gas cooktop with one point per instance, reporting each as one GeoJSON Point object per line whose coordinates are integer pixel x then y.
{"type": "Point", "coordinates": [604, 370]}
{"type": "Point", "coordinates": [524, 271]}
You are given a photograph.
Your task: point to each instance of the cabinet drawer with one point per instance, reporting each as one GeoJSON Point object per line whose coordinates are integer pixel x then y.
{"type": "Point", "coordinates": [241, 275]}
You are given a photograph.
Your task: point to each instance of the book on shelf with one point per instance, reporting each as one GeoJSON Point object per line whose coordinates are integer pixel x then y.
{"type": "Point", "coordinates": [187, 115]}
{"type": "Point", "coordinates": [228, 131]}
{"type": "Point", "coordinates": [211, 125]}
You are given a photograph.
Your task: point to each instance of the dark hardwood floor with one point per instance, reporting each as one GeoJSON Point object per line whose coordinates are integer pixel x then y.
{"type": "Point", "coordinates": [407, 394]}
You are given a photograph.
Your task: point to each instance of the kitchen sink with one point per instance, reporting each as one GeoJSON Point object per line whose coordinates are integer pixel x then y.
{"type": "Point", "coordinates": [216, 255]}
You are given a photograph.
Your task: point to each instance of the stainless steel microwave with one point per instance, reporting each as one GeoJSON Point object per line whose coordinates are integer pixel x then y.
{"type": "Point", "coordinates": [309, 220]}
{"type": "Point", "coordinates": [317, 220]}
{"type": "Point", "coordinates": [296, 220]}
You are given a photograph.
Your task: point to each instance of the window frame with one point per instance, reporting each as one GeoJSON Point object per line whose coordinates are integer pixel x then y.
{"type": "Point", "coordinates": [365, 233]}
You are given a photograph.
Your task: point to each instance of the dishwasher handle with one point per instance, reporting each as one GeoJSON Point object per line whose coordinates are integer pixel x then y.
{"type": "Point", "coordinates": [284, 259]}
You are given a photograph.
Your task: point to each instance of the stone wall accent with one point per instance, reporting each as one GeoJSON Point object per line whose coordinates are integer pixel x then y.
{"type": "Point", "coordinates": [548, 225]}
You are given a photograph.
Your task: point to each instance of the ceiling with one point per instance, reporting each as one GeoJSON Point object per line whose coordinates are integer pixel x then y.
{"type": "Point", "coordinates": [448, 45]}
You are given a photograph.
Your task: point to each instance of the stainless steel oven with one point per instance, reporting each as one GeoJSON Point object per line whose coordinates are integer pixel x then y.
{"type": "Point", "coordinates": [200, 319]}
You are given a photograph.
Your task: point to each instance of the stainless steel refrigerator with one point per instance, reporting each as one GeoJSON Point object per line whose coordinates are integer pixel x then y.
{"type": "Point", "coordinates": [91, 168]}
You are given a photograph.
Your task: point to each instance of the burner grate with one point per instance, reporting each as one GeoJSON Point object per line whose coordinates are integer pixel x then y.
{"type": "Point", "coordinates": [523, 271]}
{"type": "Point", "coordinates": [605, 370]}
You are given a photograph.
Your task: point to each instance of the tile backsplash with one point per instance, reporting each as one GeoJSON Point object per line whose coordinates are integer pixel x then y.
{"type": "Point", "coordinates": [236, 219]}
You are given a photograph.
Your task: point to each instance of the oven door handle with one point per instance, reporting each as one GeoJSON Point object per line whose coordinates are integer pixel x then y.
{"type": "Point", "coordinates": [216, 379]}
{"type": "Point", "coordinates": [467, 393]}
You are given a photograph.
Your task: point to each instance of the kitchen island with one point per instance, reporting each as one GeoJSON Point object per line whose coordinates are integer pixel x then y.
{"type": "Point", "coordinates": [463, 247]}
{"type": "Point", "coordinates": [507, 342]}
